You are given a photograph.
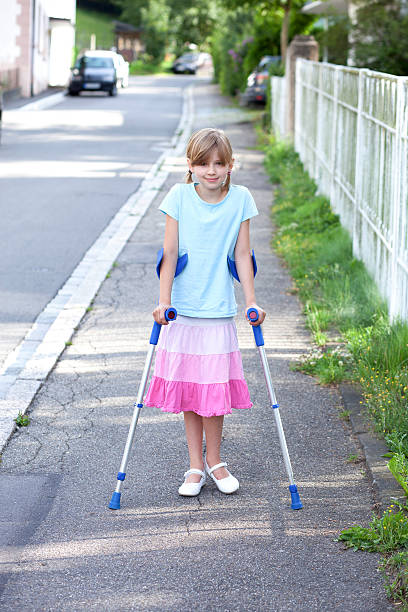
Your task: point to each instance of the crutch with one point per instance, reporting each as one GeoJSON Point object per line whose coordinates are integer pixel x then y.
{"type": "Point", "coordinates": [170, 315]}
{"type": "Point", "coordinates": [253, 315]}
{"type": "Point", "coordinates": [259, 341]}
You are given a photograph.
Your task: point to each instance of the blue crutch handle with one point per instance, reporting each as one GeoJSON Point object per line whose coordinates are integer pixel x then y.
{"type": "Point", "coordinates": [170, 315]}
{"type": "Point", "coordinates": [253, 314]}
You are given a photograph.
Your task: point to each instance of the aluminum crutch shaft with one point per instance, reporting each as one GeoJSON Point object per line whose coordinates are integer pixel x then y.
{"type": "Point", "coordinates": [170, 315]}
{"type": "Point", "coordinates": [253, 316]}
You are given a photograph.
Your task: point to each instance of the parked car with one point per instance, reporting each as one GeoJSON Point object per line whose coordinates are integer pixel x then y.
{"type": "Point", "coordinates": [94, 71]}
{"type": "Point", "coordinates": [258, 79]}
{"type": "Point", "coordinates": [186, 63]}
{"type": "Point", "coordinates": [121, 67]}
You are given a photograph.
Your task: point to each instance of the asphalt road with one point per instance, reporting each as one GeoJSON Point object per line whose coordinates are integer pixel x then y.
{"type": "Point", "coordinates": [64, 173]}
{"type": "Point", "coordinates": [66, 551]}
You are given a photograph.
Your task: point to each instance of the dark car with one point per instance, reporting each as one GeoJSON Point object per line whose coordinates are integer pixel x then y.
{"type": "Point", "coordinates": [186, 63]}
{"type": "Point", "coordinates": [258, 79]}
{"type": "Point", "coordinates": [93, 72]}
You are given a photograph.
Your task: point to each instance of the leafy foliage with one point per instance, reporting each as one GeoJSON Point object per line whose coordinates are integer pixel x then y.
{"type": "Point", "coordinates": [384, 534]}
{"type": "Point", "coordinates": [379, 36]}
{"type": "Point", "coordinates": [22, 420]}
{"type": "Point", "coordinates": [335, 39]}
{"type": "Point", "coordinates": [395, 572]}
{"type": "Point", "coordinates": [229, 45]}
{"type": "Point", "coordinates": [398, 466]}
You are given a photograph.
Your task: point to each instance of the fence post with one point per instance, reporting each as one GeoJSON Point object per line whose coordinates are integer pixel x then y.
{"type": "Point", "coordinates": [394, 310]}
{"type": "Point", "coordinates": [301, 46]}
{"type": "Point", "coordinates": [298, 109]}
{"type": "Point", "coordinates": [358, 167]}
{"type": "Point", "coordinates": [333, 144]}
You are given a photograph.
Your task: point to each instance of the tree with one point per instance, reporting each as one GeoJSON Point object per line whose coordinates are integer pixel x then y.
{"type": "Point", "coordinates": [286, 9]}
{"type": "Point", "coordinates": [379, 37]}
{"type": "Point", "coordinates": [170, 24]}
{"type": "Point", "coordinates": [155, 23]}
{"type": "Point", "coordinates": [153, 17]}
{"type": "Point", "coordinates": [335, 39]}
{"type": "Point", "coordinates": [191, 23]}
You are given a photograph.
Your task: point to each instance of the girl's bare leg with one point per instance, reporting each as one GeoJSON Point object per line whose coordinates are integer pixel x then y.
{"type": "Point", "coordinates": [213, 433]}
{"type": "Point", "coordinates": [194, 434]}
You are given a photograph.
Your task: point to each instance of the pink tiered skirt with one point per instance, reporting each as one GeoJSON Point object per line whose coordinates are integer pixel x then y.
{"type": "Point", "coordinates": [198, 368]}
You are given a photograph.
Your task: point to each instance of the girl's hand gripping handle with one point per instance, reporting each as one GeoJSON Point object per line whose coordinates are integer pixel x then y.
{"type": "Point", "coordinates": [171, 315]}
{"type": "Point", "coordinates": [253, 315]}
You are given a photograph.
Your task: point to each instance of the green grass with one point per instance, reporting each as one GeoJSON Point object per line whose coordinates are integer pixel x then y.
{"type": "Point", "coordinates": [329, 366]}
{"type": "Point", "coordinates": [353, 458]}
{"type": "Point", "coordinates": [395, 571]}
{"type": "Point", "coordinates": [141, 67]}
{"type": "Point", "coordinates": [386, 533]}
{"type": "Point", "coordinates": [339, 297]}
{"type": "Point", "coordinates": [93, 22]}
{"type": "Point", "coordinates": [341, 300]}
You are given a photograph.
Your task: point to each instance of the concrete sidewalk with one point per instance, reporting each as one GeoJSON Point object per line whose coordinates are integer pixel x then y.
{"type": "Point", "coordinates": [248, 551]}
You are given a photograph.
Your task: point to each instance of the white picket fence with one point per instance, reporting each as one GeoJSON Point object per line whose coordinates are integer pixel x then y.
{"type": "Point", "coordinates": [351, 132]}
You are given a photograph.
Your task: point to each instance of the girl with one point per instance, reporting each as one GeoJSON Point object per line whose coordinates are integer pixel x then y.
{"type": "Point", "coordinates": [198, 368]}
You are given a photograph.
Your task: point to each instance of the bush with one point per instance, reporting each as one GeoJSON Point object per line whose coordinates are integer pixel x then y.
{"type": "Point", "coordinates": [229, 45]}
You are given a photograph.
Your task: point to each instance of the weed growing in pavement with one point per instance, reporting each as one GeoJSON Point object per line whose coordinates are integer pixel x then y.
{"type": "Point", "coordinates": [68, 343]}
{"type": "Point", "coordinates": [22, 420]}
{"type": "Point", "coordinates": [386, 533]}
{"type": "Point", "coordinates": [395, 571]}
{"type": "Point", "coordinates": [353, 458]}
{"type": "Point", "coordinates": [329, 366]}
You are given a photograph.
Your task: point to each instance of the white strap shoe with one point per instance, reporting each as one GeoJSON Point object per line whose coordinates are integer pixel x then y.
{"type": "Point", "coordinates": [190, 489]}
{"type": "Point", "coordinates": [226, 485]}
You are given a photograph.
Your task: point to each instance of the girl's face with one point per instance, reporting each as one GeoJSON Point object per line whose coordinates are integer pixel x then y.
{"type": "Point", "coordinates": [212, 173]}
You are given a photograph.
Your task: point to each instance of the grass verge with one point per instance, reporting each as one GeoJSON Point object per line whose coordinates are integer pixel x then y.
{"type": "Point", "coordinates": [140, 67]}
{"type": "Point", "coordinates": [93, 22]}
{"type": "Point", "coordinates": [344, 310]}
{"type": "Point", "coordinates": [354, 339]}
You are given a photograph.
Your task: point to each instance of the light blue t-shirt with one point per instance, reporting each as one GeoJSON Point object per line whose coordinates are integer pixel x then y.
{"type": "Point", "coordinates": [208, 233]}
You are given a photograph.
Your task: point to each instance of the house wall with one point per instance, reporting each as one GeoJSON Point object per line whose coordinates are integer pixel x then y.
{"type": "Point", "coordinates": [62, 40]}
{"type": "Point", "coordinates": [40, 48]}
{"type": "Point", "coordinates": [13, 27]}
{"type": "Point", "coordinates": [37, 38]}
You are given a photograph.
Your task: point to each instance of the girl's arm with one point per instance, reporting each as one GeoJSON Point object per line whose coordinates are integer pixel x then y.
{"type": "Point", "coordinates": [245, 269]}
{"type": "Point", "coordinates": [167, 269]}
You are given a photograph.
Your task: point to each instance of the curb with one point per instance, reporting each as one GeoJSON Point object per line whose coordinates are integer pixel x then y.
{"type": "Point", "coordinates": [42, 103]}
{"type": "Point", "coordinates": [28, 366]}
{"type": "Point", "coordinates": [384, 484]}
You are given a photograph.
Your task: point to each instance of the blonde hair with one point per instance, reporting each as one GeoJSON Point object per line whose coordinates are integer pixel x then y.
{"type": "Point", "coordinates": [203, 143]}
